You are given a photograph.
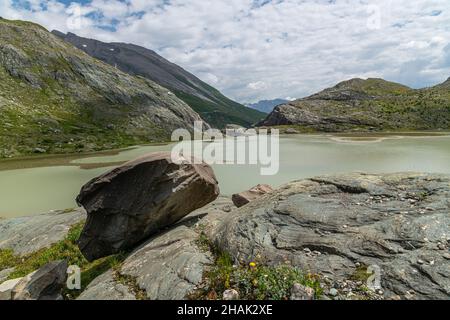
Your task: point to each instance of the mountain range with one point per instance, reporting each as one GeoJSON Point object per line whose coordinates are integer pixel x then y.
{"type": "Point", "coordinates": [55, 98]}
{"type": "Point", "coordinates": [58, 98]}
{"type": "Point", "coordinates": [266, 106]}
{"type": "Point", "coordinates": [213, 106]}
{"type": "Point", "coordinates": [365, 105]}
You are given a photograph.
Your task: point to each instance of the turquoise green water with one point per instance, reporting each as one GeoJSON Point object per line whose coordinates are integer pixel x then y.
{"type": "Point", "coordinates": [40, 189]}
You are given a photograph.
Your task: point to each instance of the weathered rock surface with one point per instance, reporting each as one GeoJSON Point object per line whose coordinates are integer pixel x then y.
{"type": "Point", "coordinates": [300, 292]}
{"type": "Point", "coordinates": [132, 59]}
{"type": "Point", "coordinates": [333, 224]}
{"type": "Point", "coordinates": [170, 265]}
{"type": "Point", "coordinates": [62, 100]}
{"type": "Point", "coordinates": [7, 287]}
{"type": "Point", "coordinates": [241, 199]}
{"type": "Point", "coordinates": [366, 105]}
{"type": "Point", "coordinates": [4, 274]}
{"type": "Point", "coordinates": [291, 131]}
{"type": "Point", "coordinates": [25, 235]}
{"type": "Point", "coordinates": [139, 198]}
{"type": "Point", "coordinates": [105, 287]}
{"type": "Point", "coordinates": [43, 284]}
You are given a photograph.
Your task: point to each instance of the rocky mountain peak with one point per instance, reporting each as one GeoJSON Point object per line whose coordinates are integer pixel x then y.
{"type": "Point", "coordinates": [68, 101]}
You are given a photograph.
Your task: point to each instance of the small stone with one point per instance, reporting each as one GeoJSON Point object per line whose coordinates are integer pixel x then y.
{"type": "Point", "coordinates": [226, 209]}
{"type": "Point", "coordinates": [300, 292]}
{"type": "Point", "coordinates": [7, 287]}
{"type": "Point", "coordinates": [241, 199]}
{"type": "Point", "coordinates": [39, 150]}
{"type": "Point", "coordinates": [307, 250]}
{"type": "Point", "coordinates": [4, 274]}
{"type": "Point", "coordinates": [317, 253]}
{"type": "Point", "coordinates": [441, 246]}
{"type": "Point", "coordinates": [357, 264]}
{"type": "Point", "coordinates": [43, 284]}
{"type": "Point", "coordinates": [333, 292]}
{"type": "Point", "coordinates": [420, 261]}
{"type": "Point", "coordinates": [230, 294]}
{"type": "Point", "coordinates": [380, 292]}
{"type": "Point", "coordinates": [446, 256]}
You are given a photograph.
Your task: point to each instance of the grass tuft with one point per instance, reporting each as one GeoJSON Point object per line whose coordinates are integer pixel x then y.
{"type": "Point", "coordinates": [65, 249]}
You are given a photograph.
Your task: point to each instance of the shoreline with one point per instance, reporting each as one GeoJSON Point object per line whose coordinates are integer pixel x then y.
{"type": "Point", "coordinates": [66, 159]}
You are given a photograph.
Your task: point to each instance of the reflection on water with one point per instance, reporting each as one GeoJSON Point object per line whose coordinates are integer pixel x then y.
{"type": "Point", "coordinates": [54, 182]}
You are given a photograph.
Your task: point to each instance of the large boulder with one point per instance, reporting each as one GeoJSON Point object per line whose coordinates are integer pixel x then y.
{"type": "Point", "coordinates": [44, 284]}
{"type": "Point", "coordinates": [141, 197]}
{"type": "Point", "coordinates": [395, 226]}
{"type": "Point", "coordinates": [241, 199]}
{"type": "Point", "coordinates": [168, 266]}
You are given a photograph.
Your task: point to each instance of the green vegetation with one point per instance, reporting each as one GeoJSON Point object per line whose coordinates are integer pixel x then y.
{"type": "Point", "coordinates": [54, 99]}
{"type": "Point", "coordinates": [66, 249]}
{"type": "Point", "coordinates": [130, 283]}
{"type": "Point", "coordinates": [7, 259]}
{"type": "Point", "coordinates": [371, 105]}
{"type": "Point", "coordinates": [255, 281]}
{"type": "Point", "coordinates": [221, 111]}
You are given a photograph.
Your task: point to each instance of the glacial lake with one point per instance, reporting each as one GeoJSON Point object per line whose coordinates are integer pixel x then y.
{"type": "Point", "coordinates": [37, 185]}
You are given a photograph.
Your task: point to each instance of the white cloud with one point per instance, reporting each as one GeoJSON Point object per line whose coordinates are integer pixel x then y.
{"type": "Point", "coordinates": [258, 85]}
{"type": "Point", "coordinates": [255, 50]}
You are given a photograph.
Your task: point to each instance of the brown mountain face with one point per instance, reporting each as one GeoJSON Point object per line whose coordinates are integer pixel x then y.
{"type": "Point", "coordinates": [212, 105]}
{"type": "Point", "coordinates": [55, 98]}
{"type": "Point", "coordinates": [363, 105]}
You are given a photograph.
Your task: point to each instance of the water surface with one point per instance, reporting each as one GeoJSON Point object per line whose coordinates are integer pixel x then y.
{"type": "Point", "coordinates": [39, 185]}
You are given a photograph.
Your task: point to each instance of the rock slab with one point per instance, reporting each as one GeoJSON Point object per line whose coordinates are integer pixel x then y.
{"type": "Point", "coordinates": [43, 284]}
{"type": "Point", "coordinates": [341, 226]}
{"type": "Point", "coordinates": [105, 287]}
{"type": "Point", "coordinates": [25, 235]}
{"type": "Point", "coordinates": [139, 198]}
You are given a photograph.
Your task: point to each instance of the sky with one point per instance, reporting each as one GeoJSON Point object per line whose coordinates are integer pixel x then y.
{"type": "Point", "coordinates": [265, 49]}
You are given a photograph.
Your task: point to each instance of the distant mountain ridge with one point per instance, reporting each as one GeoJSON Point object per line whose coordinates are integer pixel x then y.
{"type": "Point", "coordinates": [363, 105]}
{"type": "Point", "coordinates": [55, 98]}
{"type": "Point", "coordinates": [213, 106]}
{"type": "Point", "coordinates": [266, 106]}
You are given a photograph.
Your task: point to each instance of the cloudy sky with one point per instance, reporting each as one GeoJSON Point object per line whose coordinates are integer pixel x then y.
{"type": "Point", "coordinates": [265, 49]}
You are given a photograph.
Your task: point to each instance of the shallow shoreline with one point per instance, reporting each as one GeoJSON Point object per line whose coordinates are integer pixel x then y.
{"type": "Point", "coordinates": [67, 159]}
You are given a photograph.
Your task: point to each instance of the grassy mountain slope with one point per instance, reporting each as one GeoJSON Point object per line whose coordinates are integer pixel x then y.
{"type": "Point", "coordinates": [372, 104]}
{"type": "Point", "coordinates": [55, 98]}
{"type": "Point", "coordinates": [212, 105]}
